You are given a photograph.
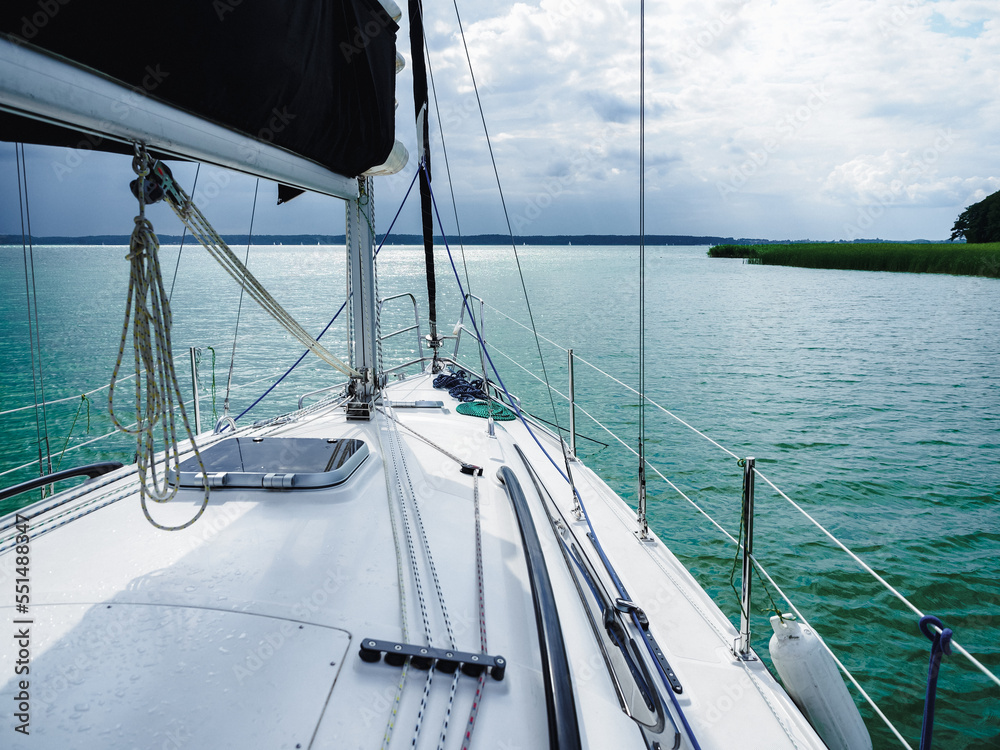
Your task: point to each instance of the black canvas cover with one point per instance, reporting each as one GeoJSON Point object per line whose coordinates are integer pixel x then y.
{"type": "Point", "coordinates": [316, 77]}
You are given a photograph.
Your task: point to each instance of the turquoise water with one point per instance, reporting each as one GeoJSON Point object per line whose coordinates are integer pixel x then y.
{"type": "Point", "coordinates": [871, 399]}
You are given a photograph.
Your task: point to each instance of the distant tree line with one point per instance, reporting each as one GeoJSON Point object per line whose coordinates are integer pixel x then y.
{"type": "Point", "coordinates": [980, 222]}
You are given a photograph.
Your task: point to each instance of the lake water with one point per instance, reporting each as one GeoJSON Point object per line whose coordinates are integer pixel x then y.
{"type": "Point", "coordinates": [872, 399]}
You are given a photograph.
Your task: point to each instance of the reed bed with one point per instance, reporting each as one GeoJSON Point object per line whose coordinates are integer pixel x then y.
{"type": "Point", "coordinates": [960, 259]}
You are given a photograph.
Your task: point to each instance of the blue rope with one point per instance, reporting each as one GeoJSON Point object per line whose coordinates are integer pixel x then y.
{"type": "Point", "coordinates": [593, 534]}
{"type": "Point", "coordinates": [940, 645]}
{"type": "Point", "coordinates": [299, 360]}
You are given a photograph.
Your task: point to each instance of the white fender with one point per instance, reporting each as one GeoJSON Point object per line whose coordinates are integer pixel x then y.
{"type": "Point", "coordinates": [813, 681]}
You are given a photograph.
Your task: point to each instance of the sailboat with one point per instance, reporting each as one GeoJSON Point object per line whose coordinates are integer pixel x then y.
{"type": "Point", "coordinates": [406, 562]}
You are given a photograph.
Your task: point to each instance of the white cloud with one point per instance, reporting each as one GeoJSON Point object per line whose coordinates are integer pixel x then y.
{"type": "Point", "coordinates": [766, 118]}
{"type": "Point", "coordinates": [813, 106]}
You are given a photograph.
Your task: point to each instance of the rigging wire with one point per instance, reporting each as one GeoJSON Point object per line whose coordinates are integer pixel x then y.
{"type": "Point", "coordinates": [239, 309]}
{"type": "Point", "coordinates": [643, 525]}
{"type": "Point", "coordinates": [503, 203]}
{"type": "Point", "coordinates": [447, 168]}
{"type": "Point", "coordinates": [31, 294]}
{"type": "Point", "coordinates": [177, 266]}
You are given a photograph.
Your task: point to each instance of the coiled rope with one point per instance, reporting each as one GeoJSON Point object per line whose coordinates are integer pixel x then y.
{"type": "Point", "coordinates": [157, 392]}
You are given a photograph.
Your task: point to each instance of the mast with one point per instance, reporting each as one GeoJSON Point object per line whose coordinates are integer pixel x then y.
{"type": "Point", "coordinates": [361, 295]}
{"type": "Point", "coordinates": [420, 107]}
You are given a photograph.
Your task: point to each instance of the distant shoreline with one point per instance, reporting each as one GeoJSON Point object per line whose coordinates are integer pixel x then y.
{"type": "Point", "coordinates": [416, 239]}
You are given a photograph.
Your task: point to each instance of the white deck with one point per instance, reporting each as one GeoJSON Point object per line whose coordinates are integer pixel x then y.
{"type": "Point", "coordinates": [243, 630]}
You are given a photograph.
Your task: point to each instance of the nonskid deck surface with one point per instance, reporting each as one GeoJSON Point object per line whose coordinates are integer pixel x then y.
{"type": "Point", "coordinates": [244, 629]}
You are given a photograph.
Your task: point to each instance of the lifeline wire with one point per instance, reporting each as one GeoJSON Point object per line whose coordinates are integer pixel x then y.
{"type": "Point", "coordinates": [31, 293]}
{"type": "Point", "coordinates": [760, 569]}
{"type": "Point", "coordinates": [239, 308]}
{"type": "Point", "coordinates": [726, 450]}
{"type": "Point", "coordinates": [177, 265]}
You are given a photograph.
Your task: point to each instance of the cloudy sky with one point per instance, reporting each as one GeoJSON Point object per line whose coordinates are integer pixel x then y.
{"type": "Point", "coordinates": [822, 119]}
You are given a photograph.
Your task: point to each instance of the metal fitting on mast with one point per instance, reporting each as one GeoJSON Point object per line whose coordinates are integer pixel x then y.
{"type": "Point", "coordinates": [363, 390]}
{"type": "Point", "coordinates": [643, 532]}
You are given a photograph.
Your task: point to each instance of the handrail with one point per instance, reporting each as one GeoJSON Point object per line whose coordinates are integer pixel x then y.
{"type": "Point", "coordinates": [416, 325]}
{"type": "Point", "coordinates": [91, 471]}
{"type": "Point", "coordinates": [459, 327]}
{"type": "Point", "coordinates": [318, 391]}
{"type": "Point", "coordinates": [564, 729]}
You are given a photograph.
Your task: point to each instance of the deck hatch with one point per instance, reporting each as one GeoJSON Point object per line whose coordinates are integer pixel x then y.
{"type": "Point", "coordinates": [276, 463]}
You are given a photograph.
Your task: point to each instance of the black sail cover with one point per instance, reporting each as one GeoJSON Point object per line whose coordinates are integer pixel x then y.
{"type": "Point", "coordinates": [315, 77]}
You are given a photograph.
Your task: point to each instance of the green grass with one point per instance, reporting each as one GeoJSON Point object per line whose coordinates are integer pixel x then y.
{"type": "Point", "coordinates": [961, 259]}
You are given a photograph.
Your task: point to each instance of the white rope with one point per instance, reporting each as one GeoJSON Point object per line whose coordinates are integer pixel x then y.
{"type": "Point", "coordinates": [425, 544]}
{"type": "Point", "coordinates": [401, 583]}
{"type": "Point", "coordinates": [203, 231]}
{"type": "Point", "coordinates": [474, 711]}
{"type": "Point", "coordinates": [394, 448]}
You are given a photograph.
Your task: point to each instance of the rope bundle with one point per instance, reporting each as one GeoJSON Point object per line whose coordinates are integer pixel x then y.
{"type": "Point", "coordinates": [459, 387]}
{"type": "Point", "coordinates": [157, 392]}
